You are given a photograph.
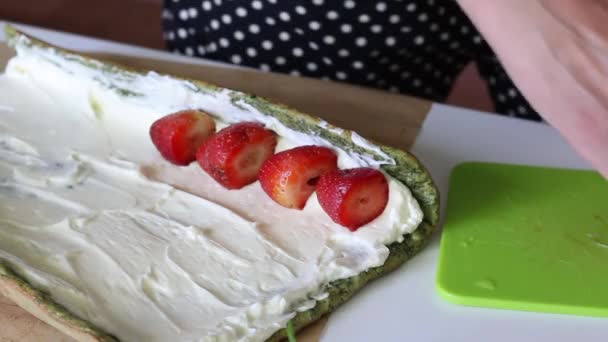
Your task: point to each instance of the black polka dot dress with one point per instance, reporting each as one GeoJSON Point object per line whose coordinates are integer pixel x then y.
{"type": "Point", "coordinates": [414, 47]}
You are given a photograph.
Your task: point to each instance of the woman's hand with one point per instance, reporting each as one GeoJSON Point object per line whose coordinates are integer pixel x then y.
{"type": "Point", "coordinates": [556, 52]}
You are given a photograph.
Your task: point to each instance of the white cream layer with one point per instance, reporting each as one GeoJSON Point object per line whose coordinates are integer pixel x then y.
{"type": "Point", "coordinates": [148, 251]}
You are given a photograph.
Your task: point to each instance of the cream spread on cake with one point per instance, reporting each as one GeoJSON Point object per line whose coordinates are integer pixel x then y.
{"type": "Point", "coordinates": [148, 251]}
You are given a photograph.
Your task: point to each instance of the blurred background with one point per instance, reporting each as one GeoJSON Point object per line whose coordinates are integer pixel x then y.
{"type": "Point", "coordinates": [138, 22]}
{"type": "Point", "coordinates": [128, 21]}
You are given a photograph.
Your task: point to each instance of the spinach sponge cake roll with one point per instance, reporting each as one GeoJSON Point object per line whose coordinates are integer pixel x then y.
{"type": "Point", "coordinates": [139, 206]}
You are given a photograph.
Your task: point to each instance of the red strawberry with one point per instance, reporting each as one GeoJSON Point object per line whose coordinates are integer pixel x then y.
{"type": "Point", "coordinates": [290, 177]}
{"type": "Point", "coordinates": [234, 155]}
{"type": "Point", "coordinates": [353, 197]}
{"type": "Point", "coordinates": [178, 136]}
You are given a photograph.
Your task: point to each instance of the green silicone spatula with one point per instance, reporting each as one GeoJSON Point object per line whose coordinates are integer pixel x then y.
{"type": "Point", "coordinates": [526, 238]}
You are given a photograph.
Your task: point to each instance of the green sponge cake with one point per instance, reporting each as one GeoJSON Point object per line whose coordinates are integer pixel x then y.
{"type": "Point", "coordinates": [138, 206]}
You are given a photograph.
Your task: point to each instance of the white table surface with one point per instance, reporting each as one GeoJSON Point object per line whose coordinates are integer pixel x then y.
{"type": "Point", "coordinates": [404, 305]}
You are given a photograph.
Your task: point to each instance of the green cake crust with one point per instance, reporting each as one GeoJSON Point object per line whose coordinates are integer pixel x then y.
{"type": "Point", "coordinates": [407, 169]}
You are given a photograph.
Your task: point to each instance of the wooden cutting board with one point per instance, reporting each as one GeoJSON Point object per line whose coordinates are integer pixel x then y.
{"type": "Point", "coordinates": [387, 118]}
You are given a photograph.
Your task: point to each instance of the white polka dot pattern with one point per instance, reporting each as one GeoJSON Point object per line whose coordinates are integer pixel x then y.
{"type": "Point", "coordinates": [415, 47]}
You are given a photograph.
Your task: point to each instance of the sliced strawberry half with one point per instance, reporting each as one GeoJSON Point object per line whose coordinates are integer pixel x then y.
{"type": "Point", "coordinates": [234, 155]}
{"type": "Point", "coordinates": [290, 177]}
{"type": "Point", "coordinates": [178, 136]}
{"type": "Point", "coordinates": [353, 197]}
